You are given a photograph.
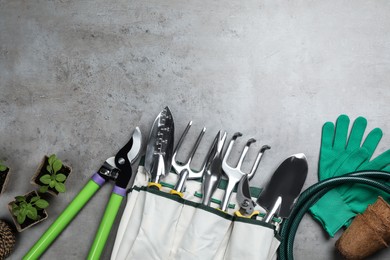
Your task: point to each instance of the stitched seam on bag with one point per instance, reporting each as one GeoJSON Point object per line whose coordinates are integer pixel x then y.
{"type": "Point", "coordinates": [254, 222]}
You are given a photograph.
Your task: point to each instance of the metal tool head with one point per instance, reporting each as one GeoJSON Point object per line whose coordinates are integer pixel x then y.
{"type": "Point", "coordinates": [282, 191]}
{"type": "Point", "coordinates": [244, 199]}
{"type": "Point", "coordinates": [118, 168]}
{"type": "Point", "coordinates": [213, 170]}
{"type": "Point", "coordinates": [159, 148]}
{"type": "Point", "coordinates": [234, 174]}
{"type": "Point", "coordinates": [186, 166]}
{"type": "Point", "coordinates": [215, 150]}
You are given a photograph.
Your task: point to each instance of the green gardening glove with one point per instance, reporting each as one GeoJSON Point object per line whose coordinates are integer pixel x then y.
{"type": "Point", "coordinates": [338, 157]}
{"type": "Point", "coordinates": [336, 147]}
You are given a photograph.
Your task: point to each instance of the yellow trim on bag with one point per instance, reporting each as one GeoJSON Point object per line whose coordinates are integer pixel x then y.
{"type": "Point", "coordinates": [153, 184]}
{"type": "Point", "coordinates": [178, 193]}
{"type": "Point", "coordinates": [254, 213]}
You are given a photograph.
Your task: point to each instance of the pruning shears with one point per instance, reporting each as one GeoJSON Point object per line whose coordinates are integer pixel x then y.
{"type": "Point", "coordinates": [117, 168]}
{"type": "Point", "coordinates": [247, 205]}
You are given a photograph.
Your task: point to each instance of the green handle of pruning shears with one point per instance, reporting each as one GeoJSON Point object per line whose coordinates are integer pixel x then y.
{"type": "Point", "coordinates": [105, 226]}
{"type": "Point", "coordinates": [62, 221]}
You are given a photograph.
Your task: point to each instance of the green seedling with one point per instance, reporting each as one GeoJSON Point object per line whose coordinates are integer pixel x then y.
{"type": "Point", "coordinates": [3, 167]}
{"type": "Point", "coordinates": [54, 179]}
{"type": "Point", "coordinates": [23, 208]}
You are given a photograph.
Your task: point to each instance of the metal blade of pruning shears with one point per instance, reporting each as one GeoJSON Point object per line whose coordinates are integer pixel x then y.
{"type": "Point", "coordinates": [126, 156]}
{"type": "Point", "coordinates": [244, 199]}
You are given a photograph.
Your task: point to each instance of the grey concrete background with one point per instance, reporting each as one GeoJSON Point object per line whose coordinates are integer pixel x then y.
{"type": "Point", "coordinates": [77, 76]}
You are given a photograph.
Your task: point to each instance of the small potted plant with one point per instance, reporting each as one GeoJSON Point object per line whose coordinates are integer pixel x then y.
{"type": "Point", "coordinates": [51, 175]}
{"type": "Point", "coordinates": [4, 176]}
{"type": "Point", "coordinates": [28, 210]}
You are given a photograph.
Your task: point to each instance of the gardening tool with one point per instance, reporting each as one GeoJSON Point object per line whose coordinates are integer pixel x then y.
{"type": "Point", "coordinates": [116, 168]}
{"type": "Point", "coordinates": [159, 148]}
{"type": "Point", "coordinates": [244, 199]}
{"type": "Point", "coordinates": [213, 171]}
{"type": "Point", "coordinates": [234, 175]}
{"type": "Point", "coordinates": [184, 169]}
{"type": "Point", "coordinates": [280, 194]}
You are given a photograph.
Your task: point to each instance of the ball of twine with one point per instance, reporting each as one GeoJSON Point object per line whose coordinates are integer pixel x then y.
{"type": "Point", "coordinates": [7, 240]}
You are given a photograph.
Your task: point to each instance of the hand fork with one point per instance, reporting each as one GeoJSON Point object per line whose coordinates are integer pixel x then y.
{"type": "Point", "coordinates": [184, 169]}
{"type": "Point", "coordinates": [235, 174]}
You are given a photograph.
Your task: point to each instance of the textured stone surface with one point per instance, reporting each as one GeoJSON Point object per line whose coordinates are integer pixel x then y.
{"type": "Point", "coordinates": [77, 76]}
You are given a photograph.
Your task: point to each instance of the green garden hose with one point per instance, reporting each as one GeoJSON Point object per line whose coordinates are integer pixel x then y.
{"type": "Point", "coordinates": [315, 192]}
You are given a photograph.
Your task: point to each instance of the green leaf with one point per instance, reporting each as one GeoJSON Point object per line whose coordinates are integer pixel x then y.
{"type": "Point", "coordinates": [42, 204]}
{"type": "Point", "coordinates": [32, 213]}
{"type": "Point", "coordinates": [3, 168]}
{"type": "Point", "coordinates": [49, 169]}
{"type": "Point", "coordinates": [29, 214]}
{"type": "Point", "coordinates": [60, 187]}
{"type": "Point", "coordinates": [60, 177]}
{"type": "Point", "coordinates": [21, 218]}
{"type": "Point", "coordinates": [52, 184]}
{"type": "Point", "coordinates": [15, 209]}
{"type": "Point", "coordinates": [14, 206]}
{"type": "Point", "coordinates": [35, 213]}
{"type": "Point", "coordinates": [45, 179]}
{"type": "Point", "coordinates": [35, 198]}
{"type": "Point", "coordinates": [52, 159]}
{"type": "Point", "coordinates": [20, 198]}
{"type": "Point", "coordinates": [57, 165]}
{"type": "Point", "coordinates": [43, 189]}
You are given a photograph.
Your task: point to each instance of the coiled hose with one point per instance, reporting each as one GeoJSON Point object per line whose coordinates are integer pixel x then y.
{"type": "Point", "coordinates": [314, 193]}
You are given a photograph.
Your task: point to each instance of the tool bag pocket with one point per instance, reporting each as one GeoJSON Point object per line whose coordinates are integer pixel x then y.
{"type": "Point", "coordinates": [129, 224]}
{"type": "Point", "coordinates": [158, 226]}
{"type": "Point", "coordinates": [252, 239]}
{"type": "Point", "coordinates": [204, 235]}
{"type": "Point", "coordinates": [184, 221]}
{"type": "Point", "coordinates": [273, 251]}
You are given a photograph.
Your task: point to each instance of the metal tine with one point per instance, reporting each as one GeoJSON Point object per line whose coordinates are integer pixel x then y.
{"type": "Point", "coordinates": [181, 141]}
{"type": "Point", "coordinates": [229, 149]}
{"type": "Point", "coordinates": [244, 152]}
{"type": "Point", "coordinates": [192, 153]}
{"type": "Point", "coordinates": [257, 161]}
{"type": "Point", "coordinates": [179, 167]}
{"type": "Point", "coordinates": [234, 174]}
{"type": "Point", "coordinates": [213, 170]}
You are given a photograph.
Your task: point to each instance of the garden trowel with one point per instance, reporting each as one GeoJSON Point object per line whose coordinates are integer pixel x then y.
{"type": "Point", "coordinates": [159, 149]}
{"type": "Point", "coordinates": [282, 191]}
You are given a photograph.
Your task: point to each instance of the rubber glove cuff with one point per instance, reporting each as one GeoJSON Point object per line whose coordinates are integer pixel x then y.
{"type": "Point", "coordinates": [332, 212]}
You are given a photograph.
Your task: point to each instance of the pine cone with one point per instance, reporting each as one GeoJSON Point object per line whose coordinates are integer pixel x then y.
{"type": "Point", "coordinates": [7, 240]}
